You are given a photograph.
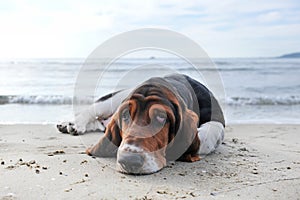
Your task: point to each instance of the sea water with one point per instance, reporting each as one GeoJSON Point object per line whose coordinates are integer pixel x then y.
{"type": "Point", "coordinates": [256, 90]}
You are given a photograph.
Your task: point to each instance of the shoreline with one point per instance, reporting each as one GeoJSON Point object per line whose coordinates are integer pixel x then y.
{"type": "Point", "coordinates": [256, 161]}
{"type": "Point", "coordinates": [227, 124]}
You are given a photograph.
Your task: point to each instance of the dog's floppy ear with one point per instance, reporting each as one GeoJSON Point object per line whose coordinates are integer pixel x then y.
{"type": "Point", "coordinates": [190, 136]}
{"type": "Point", "coordinates": [185, 141]}
{"type": "Point", "coordinates": [109, 143]}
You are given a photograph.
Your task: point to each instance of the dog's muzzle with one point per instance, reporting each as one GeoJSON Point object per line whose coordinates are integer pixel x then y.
{"type": "Point", "coordinates": [131, 162]}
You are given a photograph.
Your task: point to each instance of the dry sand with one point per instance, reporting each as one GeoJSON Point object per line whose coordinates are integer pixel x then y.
{"type": "Point", "coordinates": [255, 162]}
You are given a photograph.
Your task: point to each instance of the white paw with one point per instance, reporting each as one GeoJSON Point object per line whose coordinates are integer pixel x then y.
{"type": "Point", "coordinates": [76, 129]}
{"type": "Point", "coordinates": [69, 128]}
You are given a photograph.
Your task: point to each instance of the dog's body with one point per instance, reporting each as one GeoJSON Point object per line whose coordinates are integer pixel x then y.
{"type": "Point", "coordinates": [161, 119]}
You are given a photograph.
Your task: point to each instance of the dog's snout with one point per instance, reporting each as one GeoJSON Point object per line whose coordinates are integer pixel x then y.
{"type": "Point", "coordinates": [131, 162]}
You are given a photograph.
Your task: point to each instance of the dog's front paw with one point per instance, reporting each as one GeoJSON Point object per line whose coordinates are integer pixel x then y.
{"type": "Point", "coordinates": [63, 127]}
{"type": "Point", "coordinates": [72, 130]}
{"type": "Point", "coordinates": [69, 128]}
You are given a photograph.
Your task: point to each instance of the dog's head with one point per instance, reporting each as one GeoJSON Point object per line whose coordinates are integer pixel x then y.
{"type": "Point", "coordinates": [150, 127]}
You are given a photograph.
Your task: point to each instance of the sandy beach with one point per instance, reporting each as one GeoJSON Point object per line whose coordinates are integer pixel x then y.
{"type": "Point", "coordinates": [259, 161]}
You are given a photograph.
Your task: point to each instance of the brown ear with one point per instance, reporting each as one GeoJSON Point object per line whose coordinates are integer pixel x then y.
{"type": "Point", "coordinates": [109, 143]}
{"type": "Point", "coordinates": [190, 122]}
{"type": "Point", "coordinates": [186, 143]}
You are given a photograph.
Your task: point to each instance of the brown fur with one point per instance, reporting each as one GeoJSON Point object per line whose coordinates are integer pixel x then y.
{"type": "Point", "coordinates": [179, 131]}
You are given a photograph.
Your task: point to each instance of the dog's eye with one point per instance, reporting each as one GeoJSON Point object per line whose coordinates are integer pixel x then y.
{"type": "Point", "coordinates": [161, 118]}
{"type": "Point", "coordinates": [126, 115]}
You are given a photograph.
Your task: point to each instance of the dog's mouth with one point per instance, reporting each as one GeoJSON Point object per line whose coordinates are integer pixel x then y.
{"type": "Point", "coordinates": [138, 163]}
{"type": "Point", "coordinates": [134, 172]}
{"type": "Point", "coordinates": [130, 163]}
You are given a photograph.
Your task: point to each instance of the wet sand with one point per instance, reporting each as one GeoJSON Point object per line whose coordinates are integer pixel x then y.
{"type": "Point", "coordinates": [254, 162]}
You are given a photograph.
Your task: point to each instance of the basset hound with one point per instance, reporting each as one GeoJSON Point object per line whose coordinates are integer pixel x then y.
{"type": "Point", "coordinates": [162, 119]}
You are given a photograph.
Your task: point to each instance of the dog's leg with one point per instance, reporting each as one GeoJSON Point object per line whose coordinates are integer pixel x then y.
{"type": "Point", "coordinates": [211, 134]}
{"type": "Point", "coordinates": [91, 118]}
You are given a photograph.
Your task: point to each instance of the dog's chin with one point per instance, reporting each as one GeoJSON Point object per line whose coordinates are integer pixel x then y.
{"type": "Point", "coordinates": [137, 172]}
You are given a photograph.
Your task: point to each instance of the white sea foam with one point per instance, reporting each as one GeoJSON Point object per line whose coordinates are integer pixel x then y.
{"type": "Point", "coordinates": [264, 101]}
{"type": "Point", "coordinates": [67, 100]}
{"type": "Point", "coordinates": [44, 100]}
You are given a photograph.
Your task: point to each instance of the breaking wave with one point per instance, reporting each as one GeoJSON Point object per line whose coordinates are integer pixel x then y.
{"type": "Point", "coordinates": [68, 100]}
{"type": "Point", "coordinates": [289, 100]}
{"type": "Point", "coordinates": [44, 100]}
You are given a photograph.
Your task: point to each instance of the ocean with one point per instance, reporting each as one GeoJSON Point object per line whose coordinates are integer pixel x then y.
{"type": "Point", "coordinates": [256, 90]}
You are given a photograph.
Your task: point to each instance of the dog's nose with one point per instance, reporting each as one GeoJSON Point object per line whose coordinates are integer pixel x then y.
{"type": "Point", "coordinates": [131, 162]}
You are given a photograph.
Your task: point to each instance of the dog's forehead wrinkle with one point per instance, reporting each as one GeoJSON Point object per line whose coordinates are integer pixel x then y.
{"type": "Point", "coordinates": [139, 98]}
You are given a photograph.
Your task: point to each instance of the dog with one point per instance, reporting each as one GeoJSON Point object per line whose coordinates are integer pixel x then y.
{"type": "Point", "coordinates": [163, 119]}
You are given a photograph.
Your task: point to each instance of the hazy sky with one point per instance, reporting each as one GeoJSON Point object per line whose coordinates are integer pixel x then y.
{"type": "Point", "coordinates": [74, 28]}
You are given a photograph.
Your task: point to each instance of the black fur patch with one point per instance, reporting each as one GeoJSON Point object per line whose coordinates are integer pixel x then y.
{"type": "Point", "coordinates": [103, 98]}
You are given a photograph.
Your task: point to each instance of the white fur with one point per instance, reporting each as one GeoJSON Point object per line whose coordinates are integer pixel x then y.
{"type": "Point", "coordinates": [130, 148]}
{"type": "Point", "coordinates": [89, 119]}
{"type": "Point", "coordinates": [95, 125]}
{"type": "Point", "coordinates": [211, 134]}
{"type": "Point", "coordinates": [105, 109]}
{"type": "Point", "coordinates": [151, 164]}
